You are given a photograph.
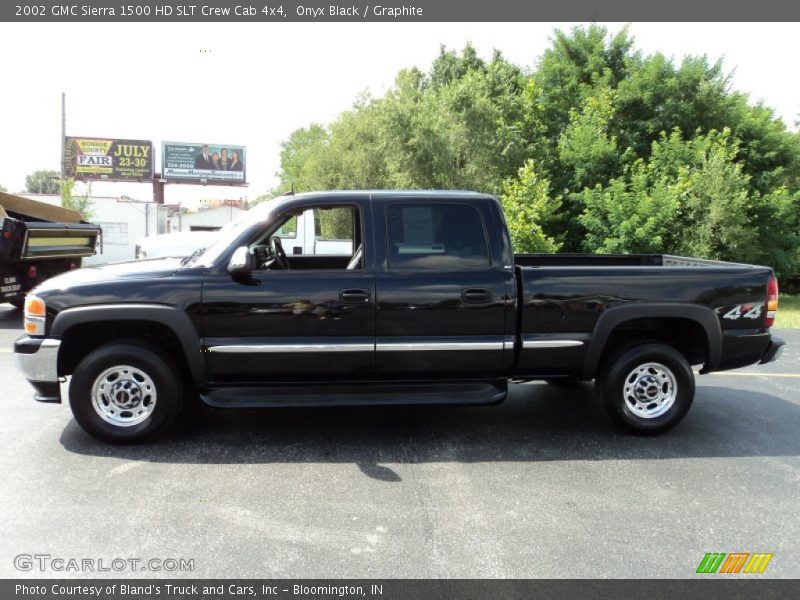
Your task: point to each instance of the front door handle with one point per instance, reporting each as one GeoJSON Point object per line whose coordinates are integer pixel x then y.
{"type": "Point", "coordinates": [476, 296]}
{"type": "Point", "coordinates": [354, 295]}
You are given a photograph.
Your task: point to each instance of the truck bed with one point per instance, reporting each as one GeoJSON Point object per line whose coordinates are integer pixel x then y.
{"type": "Point", "coordinates": [564, 296]}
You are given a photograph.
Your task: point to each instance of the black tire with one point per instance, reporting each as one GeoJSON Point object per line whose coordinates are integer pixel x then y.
{"type": "Point", "coordinates": [653, 400]}
{"type": "Point", "coordinates": [146, 361]}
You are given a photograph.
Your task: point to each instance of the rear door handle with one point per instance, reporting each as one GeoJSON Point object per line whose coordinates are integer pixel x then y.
{"type": "Point", "coordinates": [354, 295]}
{"type": "Point", "coordinates": [476, 296]}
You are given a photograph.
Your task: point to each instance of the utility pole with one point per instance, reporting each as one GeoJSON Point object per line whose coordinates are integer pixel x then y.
{"type": "Point", "coordinates": [63, 134]}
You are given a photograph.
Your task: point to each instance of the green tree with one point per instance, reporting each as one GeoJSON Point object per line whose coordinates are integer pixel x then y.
{"type": "Point", "coordinates": [643, 153]}
{"type": "Point", "coordinates": [716, 201]}
{"type": "Point", "coordinates": [456, 127]}
{"type": "Point", "coordinates": [586, 146]}
{"type": "Point", "coordinates": [691, 197]}
{"type": "Point", "coordinates": [298, 156]}
{"type": "Point", "coordinates": [78, 202]}
{"type": "Point", "coordinates": [334, 223]}
{"type": "Point", "coordinates": [42, 182]}
{"type": "Point", "coordinates": [776, 217]}
{"type": "Point", "coordinates": [530, 210]}
{"type": "Point", "coordinates": [651, 95]}
{"type": "Point", "coordinates": [636, 212]}
{"type": "Point", "coordinates": [449, 66]}
{"type": "Point", "coordinates": [578, 62]}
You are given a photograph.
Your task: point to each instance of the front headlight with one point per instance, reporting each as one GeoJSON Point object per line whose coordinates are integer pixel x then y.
{"type": "Point", "coordinates": [35, 313]}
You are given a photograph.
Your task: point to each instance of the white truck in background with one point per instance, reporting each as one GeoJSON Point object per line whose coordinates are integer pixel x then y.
{"type": "Point", "coordinates": [303, 234]}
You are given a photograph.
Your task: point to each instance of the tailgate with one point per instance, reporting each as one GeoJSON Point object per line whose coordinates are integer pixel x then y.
{"type": "Point", "coordinates": [29, 241]}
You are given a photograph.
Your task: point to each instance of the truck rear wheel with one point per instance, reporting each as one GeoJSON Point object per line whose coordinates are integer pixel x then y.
{"type": "Point", "coordinates": [126, 392]}
{"type": "Point", "coordinates": [646, 389]}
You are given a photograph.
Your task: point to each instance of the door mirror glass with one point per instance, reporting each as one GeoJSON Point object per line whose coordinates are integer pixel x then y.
{"type": "Point", "coordinates": [241, 261]}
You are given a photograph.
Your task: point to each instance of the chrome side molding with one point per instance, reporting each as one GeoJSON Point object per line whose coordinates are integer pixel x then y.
{"type": "Point", "coordinates": [540, 344]}
{"type": "Point", "coordinates": [424, 346]}
{"type": "Point", "coordinates": [394, 346]}
{"type": "Point", "coordinates": [279, 347]}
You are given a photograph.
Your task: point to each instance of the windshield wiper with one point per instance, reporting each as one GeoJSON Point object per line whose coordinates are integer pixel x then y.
{"type": "Point", "coordinates": [194, 255]}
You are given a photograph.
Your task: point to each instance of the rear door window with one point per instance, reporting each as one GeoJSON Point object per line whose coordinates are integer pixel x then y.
{"type": "Point", "coordinates": [436, 236]}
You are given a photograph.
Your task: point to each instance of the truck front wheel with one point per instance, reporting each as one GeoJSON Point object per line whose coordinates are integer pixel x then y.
{"type": "Point", "coordinates": [646, 389]}
{"type": "Point", "coordinates": [126, 392]}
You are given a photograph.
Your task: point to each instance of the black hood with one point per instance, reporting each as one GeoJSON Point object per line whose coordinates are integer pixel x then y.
{"type": "Point", "coordinates": [135, 269]}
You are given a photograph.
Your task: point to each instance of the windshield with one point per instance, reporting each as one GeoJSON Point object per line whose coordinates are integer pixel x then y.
{"type": "Point", "coordinates": [231, 231]}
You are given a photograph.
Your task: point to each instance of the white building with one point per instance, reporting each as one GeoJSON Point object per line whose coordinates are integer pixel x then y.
{"type": "Point", "coordinates": [125, 220]}
{"type": "Point", "coordinates": [205, 220]}
{"type": "Point", "coordinates": [122, 221]}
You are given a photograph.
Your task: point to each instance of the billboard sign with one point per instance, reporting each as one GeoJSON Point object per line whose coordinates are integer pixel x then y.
{"type": "Point", "coordinates": [203, 163]}
{"type": "Point", "coordinates": [87, 159]}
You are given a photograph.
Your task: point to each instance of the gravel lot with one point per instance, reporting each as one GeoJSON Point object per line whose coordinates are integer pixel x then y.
{"type": "Point", "coordinates": [540, 486]}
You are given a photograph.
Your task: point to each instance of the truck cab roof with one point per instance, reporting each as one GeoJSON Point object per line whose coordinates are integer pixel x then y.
{"type": "Point", "coordinates": [290, 200]}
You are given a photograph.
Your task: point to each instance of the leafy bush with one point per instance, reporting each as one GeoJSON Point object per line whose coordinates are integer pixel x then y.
{"type": "Point", "coordinates": [599, 148]}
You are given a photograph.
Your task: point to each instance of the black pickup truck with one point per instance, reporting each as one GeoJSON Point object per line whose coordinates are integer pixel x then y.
{"type": "Point", "coordinates": [430, 306]}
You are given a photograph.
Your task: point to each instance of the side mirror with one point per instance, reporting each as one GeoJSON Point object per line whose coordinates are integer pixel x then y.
{"type": "Point", "coordinates": [241, 261]}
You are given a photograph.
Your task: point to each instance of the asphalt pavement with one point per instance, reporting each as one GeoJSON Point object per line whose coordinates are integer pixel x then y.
{"type": "Point", "coordinates": [540, 486]}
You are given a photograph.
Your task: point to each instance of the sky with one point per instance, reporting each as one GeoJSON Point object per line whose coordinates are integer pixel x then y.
{"type": "Point", "coordinates": [252, 84]}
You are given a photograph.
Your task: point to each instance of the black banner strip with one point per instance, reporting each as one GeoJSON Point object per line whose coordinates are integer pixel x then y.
{"type": "Point", "coordinates": [707, 588]}
{"type": "Point", "coordinates": [398, 10]}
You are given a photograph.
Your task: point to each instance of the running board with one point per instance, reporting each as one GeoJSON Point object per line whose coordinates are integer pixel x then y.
{"type": "Point", "coordinates": [373, 394]}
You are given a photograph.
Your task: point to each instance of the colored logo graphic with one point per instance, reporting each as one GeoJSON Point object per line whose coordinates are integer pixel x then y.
{"type": "Point", "coordinates": [734, 562]}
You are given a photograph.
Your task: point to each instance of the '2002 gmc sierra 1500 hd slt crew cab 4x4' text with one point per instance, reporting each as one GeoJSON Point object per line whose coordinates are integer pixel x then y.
{"type": "Point", "coordinates": [430, 306]}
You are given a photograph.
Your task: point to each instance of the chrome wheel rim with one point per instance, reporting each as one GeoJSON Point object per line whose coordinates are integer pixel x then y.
{"type": "Point", "coordinates": [650, 390]}
{"type": "Point", "coordinates": [124, 396]}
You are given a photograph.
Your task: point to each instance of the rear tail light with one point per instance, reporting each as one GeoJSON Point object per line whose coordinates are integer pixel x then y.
{"type": "Point", "coordinates": [32, 272]}
{"type": "Point", "coordinates": [772, 301]}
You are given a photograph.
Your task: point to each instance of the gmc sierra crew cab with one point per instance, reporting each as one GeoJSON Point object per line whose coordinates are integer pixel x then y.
{"type": "Point", "coordinates": [431, 306]}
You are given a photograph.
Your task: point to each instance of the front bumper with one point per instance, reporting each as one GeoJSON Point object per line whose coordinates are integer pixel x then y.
{"type": "Point", "coordinates": [37, 358]}
{"type": "Point", "coordinates": [773, 351]}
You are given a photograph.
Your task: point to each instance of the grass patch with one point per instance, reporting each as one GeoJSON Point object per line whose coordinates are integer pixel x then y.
{"type": "Point", "coordinates": [788, 312]}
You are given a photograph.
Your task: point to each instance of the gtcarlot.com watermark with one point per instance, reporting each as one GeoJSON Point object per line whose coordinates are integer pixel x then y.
{"type": "Point", "coordinates": [71, 564]}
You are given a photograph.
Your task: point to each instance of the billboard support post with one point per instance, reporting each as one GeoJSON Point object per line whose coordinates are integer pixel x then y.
{"type": "Point", "coordinates": [63, 134]}
{"type": "Point", "coordinates": [158, 189]}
